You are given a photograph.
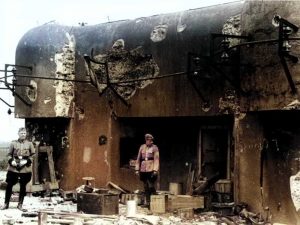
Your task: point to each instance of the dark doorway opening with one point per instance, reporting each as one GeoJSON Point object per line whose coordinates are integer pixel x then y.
{"type": "Point", "coordinates": [178, 142]}
{"type": "Point", "coordinates": [215, 151]}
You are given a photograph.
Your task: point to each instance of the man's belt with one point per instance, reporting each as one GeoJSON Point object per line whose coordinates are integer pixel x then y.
{"type": "Point", "coordinates": [146, 159]}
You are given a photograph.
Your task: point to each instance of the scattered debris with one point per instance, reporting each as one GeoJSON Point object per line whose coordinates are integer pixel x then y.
{"type": "Point", "coordinates": [293, 105]}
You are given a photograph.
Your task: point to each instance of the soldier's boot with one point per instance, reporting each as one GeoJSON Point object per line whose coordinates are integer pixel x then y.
{"type": "Point", "coordinates": [20, 204]}
{"type": "Point", "coordinates": [5, 206]}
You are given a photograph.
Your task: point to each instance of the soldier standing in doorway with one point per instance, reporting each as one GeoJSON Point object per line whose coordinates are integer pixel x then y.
{"type": "Point", "coordinates": [147, 166]}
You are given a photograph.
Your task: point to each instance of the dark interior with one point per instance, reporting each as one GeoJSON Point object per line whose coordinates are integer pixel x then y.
{"type": "Point", "coordinates": [178, 140]}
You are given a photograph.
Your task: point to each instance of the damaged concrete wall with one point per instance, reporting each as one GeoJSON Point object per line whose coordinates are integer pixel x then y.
{"type": "Point", "coordinates": [265, 81]}
{"type": "Point", "coordinates": [248, 144]}
{"type": "Point", "coordinates": [65, 69]}
{"type": "Point", "coordinates": [266, 158]}
{"type": "Point", "coordinates": [268, 89]}
{"type": "Point", "coordinates": [281, 164]}
{"type": "Point", "coordinates": [130, 69]}
{"type": "Point", "coordinates": [52, 57]}
{"type": "Point", "coordinates": [143, 49]}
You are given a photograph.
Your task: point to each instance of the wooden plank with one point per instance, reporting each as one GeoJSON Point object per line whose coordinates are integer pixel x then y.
{"type": "Point", "coordinates": [78, 221]}
{"type": "Point", "coordinates": [237, 155]}
{"type": "Point", "coordinates": [49, 151]}
{"type": "Point", "coordinates": [111, 184]}
{"type": "Point", "coordinates": [35, 167]}
{"type": "Point", "coordinates": [188, 187]}
{"type": "Point", "coordinates": [186, 201]}
{"type": "Point", "coordinates": [74, 214]}
{"type": "Point", "coordinates": [42, 218]}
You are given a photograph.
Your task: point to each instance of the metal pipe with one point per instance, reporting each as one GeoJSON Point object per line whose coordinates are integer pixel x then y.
{"type": "Point", "coordinates": [6, 103]}
{"type": "Point", "coordinates": [50, 78]}
{"type": "Point", "coordinates": [258, 42]}
{"type": "Point", "coordinates": [288, 75]}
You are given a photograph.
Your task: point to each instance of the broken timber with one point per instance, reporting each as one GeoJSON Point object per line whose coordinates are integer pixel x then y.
{"type": "Point", "coordinates": [70, 218]}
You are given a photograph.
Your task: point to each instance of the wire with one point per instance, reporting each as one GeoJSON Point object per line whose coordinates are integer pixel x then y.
{"type": "Point", "coordinates": [257, 42]}
{"type": "Point", "coordinates": [6, 76]}
{"type": "Point", "coordinates": [50, 78]}
{"type": "Point", "coordinates": [150, 78]}
{"type": "Point", "coordinates": [116, 82]}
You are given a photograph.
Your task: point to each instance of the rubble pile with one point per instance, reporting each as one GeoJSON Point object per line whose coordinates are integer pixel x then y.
{"type": "Point", "coordinates": [64, 207]}
{"type": "Point", "coordinates": [59, 211]}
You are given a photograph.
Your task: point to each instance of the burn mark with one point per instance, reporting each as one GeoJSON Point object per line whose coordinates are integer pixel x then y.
{"type": "Point", "coordinates": [127, 70]}
{"type": "Point", "coordinates": [31, 91]}
{"type": "Point", "coordinates": [229, 103]}
{"type": "Point", "coordinates": [159, 33]}
{"type": "Point", "coordinates": [65, 69]}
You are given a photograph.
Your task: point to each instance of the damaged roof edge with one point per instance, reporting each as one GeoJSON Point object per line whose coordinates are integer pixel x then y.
{"type": "Point", "coordinates": [155, 15]}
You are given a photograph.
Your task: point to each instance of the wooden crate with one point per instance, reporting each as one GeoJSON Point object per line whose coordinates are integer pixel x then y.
{"type": "Point", "coordinates": [187, 213]}
{"type": "Point", "coordinates": [175, 188]}
{"type": "Point", "coordinates": [159, 203]}
{"type": "Point", "coordinates": [223, 186]}
{"type": "Point", "coordinates": [185, 201]}
{"type": "Point", "coordinates": [102, 204]}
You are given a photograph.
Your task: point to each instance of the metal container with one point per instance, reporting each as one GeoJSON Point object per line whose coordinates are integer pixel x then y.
{"type": "Point", "coordinates": [102, 204]}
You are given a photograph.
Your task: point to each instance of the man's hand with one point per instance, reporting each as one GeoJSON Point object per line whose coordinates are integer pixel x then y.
{"type": "Point", "coordinates": [13, 163]}
{"type": "Point", "coordinates": [137, 172]}
{"type": "Point", "coordinates": [23, 162]}
{"type": "Point", "coordinates": [154, 174]}
{"type": "Point", "coordinates": [28, 162]}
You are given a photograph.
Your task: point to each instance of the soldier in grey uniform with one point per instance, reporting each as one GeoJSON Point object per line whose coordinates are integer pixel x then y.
{"type": "Point", "coordinates": [19, 169]}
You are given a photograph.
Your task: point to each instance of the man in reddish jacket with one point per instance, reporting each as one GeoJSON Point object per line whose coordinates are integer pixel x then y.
{"type": "Point", "coordinates": [147, 166]}
{"type": "Point", "coordinates": [19, 169]}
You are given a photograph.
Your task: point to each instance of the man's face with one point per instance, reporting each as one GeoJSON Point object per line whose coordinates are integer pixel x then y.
{"type": "Point", "coordinates": [149, 141]}
{"type": "Point", "coordinates": [22, 135]}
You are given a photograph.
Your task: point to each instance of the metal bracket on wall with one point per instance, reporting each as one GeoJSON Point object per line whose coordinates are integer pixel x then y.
{"type": "Point", "coordinates": [12, 86]}
{"type": "Point", "coordinates": [6, 103]}
{"type": "Point", "coordinates": [109, 85]}
{"type": "Point", "coordinates": [202, 66]}
{"type": "Point", "coordinates": [285, 28]}
{"type": "Point", "coordinates": [224, 47]}
{"type": "Point", "coordinates": [195, 69]}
